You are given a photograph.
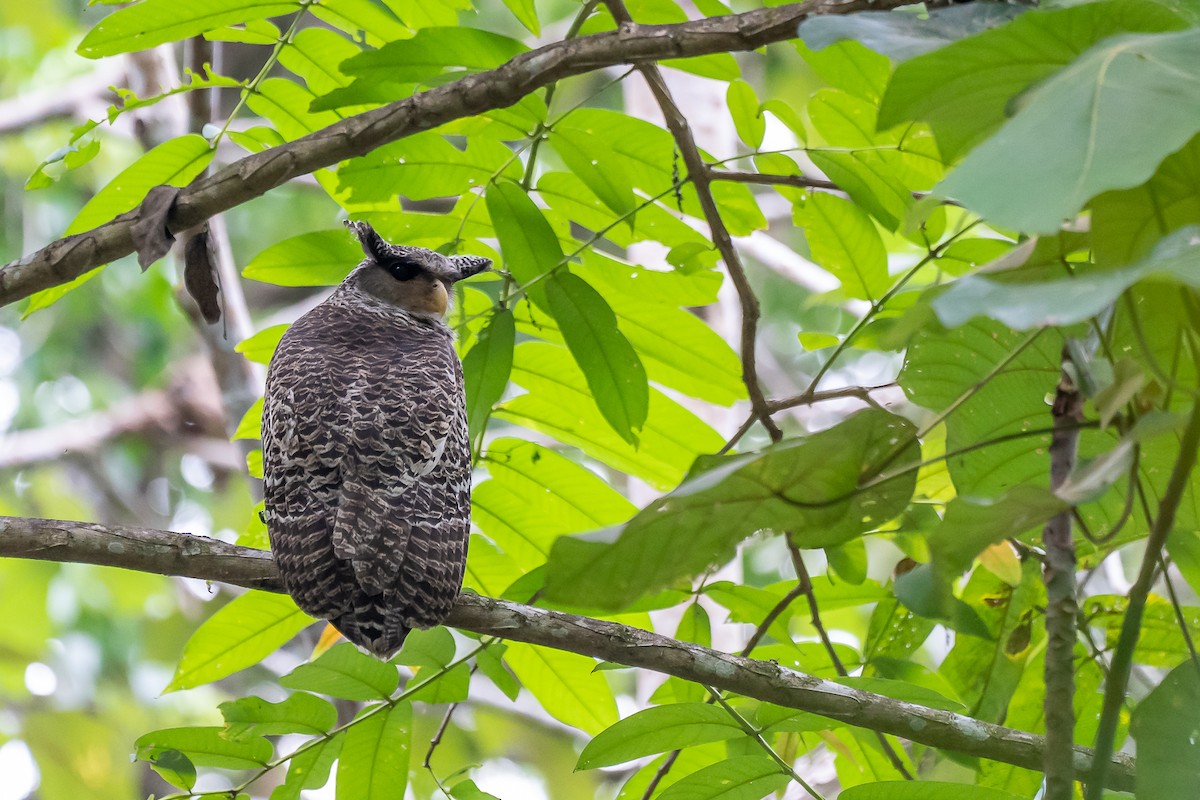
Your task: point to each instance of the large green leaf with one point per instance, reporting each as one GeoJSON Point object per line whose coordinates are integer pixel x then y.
{"type": "Point", "coordinates": [901, 35]}
{"type": "Point", "coordinates": [310, 769]}
{"type": "Point", "coordinates": [613, 370]}
{"type": "Point", "coordinates": [565, 684]}
{"type": "Point", "coordinates": [815, 487]}
{"type": "Point", "coordinates": [1126, 224]}
{"type": "Point", "coordinates": [486, 368]}
{"type": "Point", "coordinates": [358, 17]}
{"type": "Point", "coordinates": [206, 747]}
{"type": "Point", "coordinates": [594, 163]}
{"type": "Point", "coordinates": [947, 371]}
{"type": "Point", "coordinates": [737, 778]}
{"type": "Point", "coordinates": [559, 404]}
{"type": "Point", "coordinates": [344, 672]}
{"type": "Point", "coordinates": [844, 241]}
{"type": "Point", "coordinates": [319, 258]}
{"type": "Point", "coordinates": [425, 166]}
{"type": "Point", "coordinates": [923, 790]}
{"type": "Point", "coordinates": [239, 635]}
{"type": "Point", "coordinates": [299, 713]}
{"type": "Point", "coordinates": [175, 162]}
{"type": "Point", "coordinates": [1103, 123]}
{"type": "Point", "coordinates": [147, 24]}
{"type": "Point", "coordinates": [657, 730]}
{"type": "Point", "coordinates": [536, 495]}
{"type": "Point", "coordinates": [1024, 299]}
{"type": "Point", "coordinates": [530, 246]}
{"type": "Point", "coordinates": [315, 55]}
{"type": "Point", "coordinates": [429, 53]}
{"type": "Point", "coordinates": [373, 764]}
{"type": "Point", "coordinates": [964, 90]}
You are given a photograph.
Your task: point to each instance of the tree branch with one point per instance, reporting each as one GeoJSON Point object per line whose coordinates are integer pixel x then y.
{"type": "Point", "coordinates": [68, 258]}
{"type": "Point", "coordinates": [167, 553]}
{"type": "Point", "coordinates": [1061, 606]}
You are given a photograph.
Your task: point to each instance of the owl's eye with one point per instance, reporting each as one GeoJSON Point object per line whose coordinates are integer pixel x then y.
{"type": "Point", "coordinates": [401, 269]}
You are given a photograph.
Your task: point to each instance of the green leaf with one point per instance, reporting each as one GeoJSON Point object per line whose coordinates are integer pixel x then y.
{"type": "Point", "coordinates": [1100, 124]}
{"type": "Point", "coordinates": [425, 166]}
{"type": "Point", "coordinates": [491, 664]}
{"type": "Point", "coordinates": [613, 370]}
{"type": "Point", "coordinates": [175, 768]}
{"type": "Point", "coordinates": [299, 713]}
{"type": "Point", "coordinates": [923, 790]}
{"type": "Point", "coordinates": [559, 404]}
{"type": "Point", "coordinates": [817, 487]}
{"type": "Point", "coordinates": [174, 162]}
{"type": "Point", "coordinates": [565, 685]}
{"type": "Point", "coordinates": [963, 91]}
{"type": "Point", "coordinates": [844, 241]}
{"type": "Point", "coordinates": [250, 426]}
{"type": "Point", "coordinates": [657, 730]}
{"type": "Point", "coordinates": [537, 495]}
{"type": "Point", "coordinates": [596, 165]}
{"type": "Point", "coordinates": [1126, 224]}
{"type": "Point", "coordinates": [205, 747]}
{"type": "Point", "coordinates": [467, 790]}
{"type": "Point", "coordinates": [902, 35]}
{"type": "Point", "coordinates": [906, 692]}
{"type": "Point", "coordinates": [374, 761]}
{"type": "Point", "coordinates": [239, 635]}
{"type": "Point", "coordinates": [310, 769]}
{"type": "Point", "coordinates": [486, 368]}
{"type": "Point", "coordinates": [355, 16]}
{"type": "Point", "coordinates": [737, 778]}
{"type": "Point", "coordinates": [433, 648]}
{"type": "Point", "coordinates": [971, 524]}
{"type": "Point", "coordinates": [927, 592]}
{"type": "Point", "coordinates": [530, 246]}
{"type": "Point", "coordinates": [261, 346]}
{"type": "Point", "coordinates": [747, 117]}
{"type": "Point", "coordinates": [452, 686]}
{"type": "Point", "coordinates": [346, 673]}
{"type": "Point", "coordinates": [431, 52]}
{"type": "Point", "coordinates": [1024, 299]}
{"type": "Point", "coordinates": [320, 258]}
{"type": "Point", "coordinates": [945, 369]}
{"type": "Point", "coordinates": [285, 104]}
{"type": "Point", "coordinates": [147, 24]}
{"type": "Point", "coordinates": [315, 55]}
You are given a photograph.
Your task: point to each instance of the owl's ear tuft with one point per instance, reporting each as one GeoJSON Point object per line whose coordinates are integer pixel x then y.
{"type": "Point", "coordinates": [466, 266]}
{"type": "Point", "coordinates": [396, 260]}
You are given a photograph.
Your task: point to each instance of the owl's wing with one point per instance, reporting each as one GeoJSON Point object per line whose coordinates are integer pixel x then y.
{"type": "Point", "coordinates": [303, 450]}
{"type": "Point", "coordinates": [388, 505]}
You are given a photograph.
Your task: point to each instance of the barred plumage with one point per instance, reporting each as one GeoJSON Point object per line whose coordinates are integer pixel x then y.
{"type": "Point", "coordinates": [365, 451]}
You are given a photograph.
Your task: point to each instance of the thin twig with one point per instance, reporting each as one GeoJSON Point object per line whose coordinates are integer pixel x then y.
{"type": "Point", "coordinates": [441, 731]}
{"type": "Point", "coordinates": [757, 736]}
{"type": "Point", "coordinates": [698, 172]}
{"type": "Point", "coordinates": [805, 585]}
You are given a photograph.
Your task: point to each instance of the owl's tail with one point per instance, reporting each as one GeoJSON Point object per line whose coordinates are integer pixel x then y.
{"type": "Point", "coordinates": [368, 626]}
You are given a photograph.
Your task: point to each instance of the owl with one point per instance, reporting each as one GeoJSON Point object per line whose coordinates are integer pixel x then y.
{"type": "Point", "coordinates": [366, 458]}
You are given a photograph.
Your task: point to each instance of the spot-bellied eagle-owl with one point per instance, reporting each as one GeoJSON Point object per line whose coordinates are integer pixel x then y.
{"type": "Point", "coordinates": [366, 458]}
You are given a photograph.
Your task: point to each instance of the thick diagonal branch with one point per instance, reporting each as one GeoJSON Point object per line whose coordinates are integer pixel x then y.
{"type": "Point", "coordinates": [67, 259]}
{"type": "Point", "coordinates": [167, 553]}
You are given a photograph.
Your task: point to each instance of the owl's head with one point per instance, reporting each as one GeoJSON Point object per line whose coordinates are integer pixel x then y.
{"type": "Point", "coordinates": [412, 278]}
